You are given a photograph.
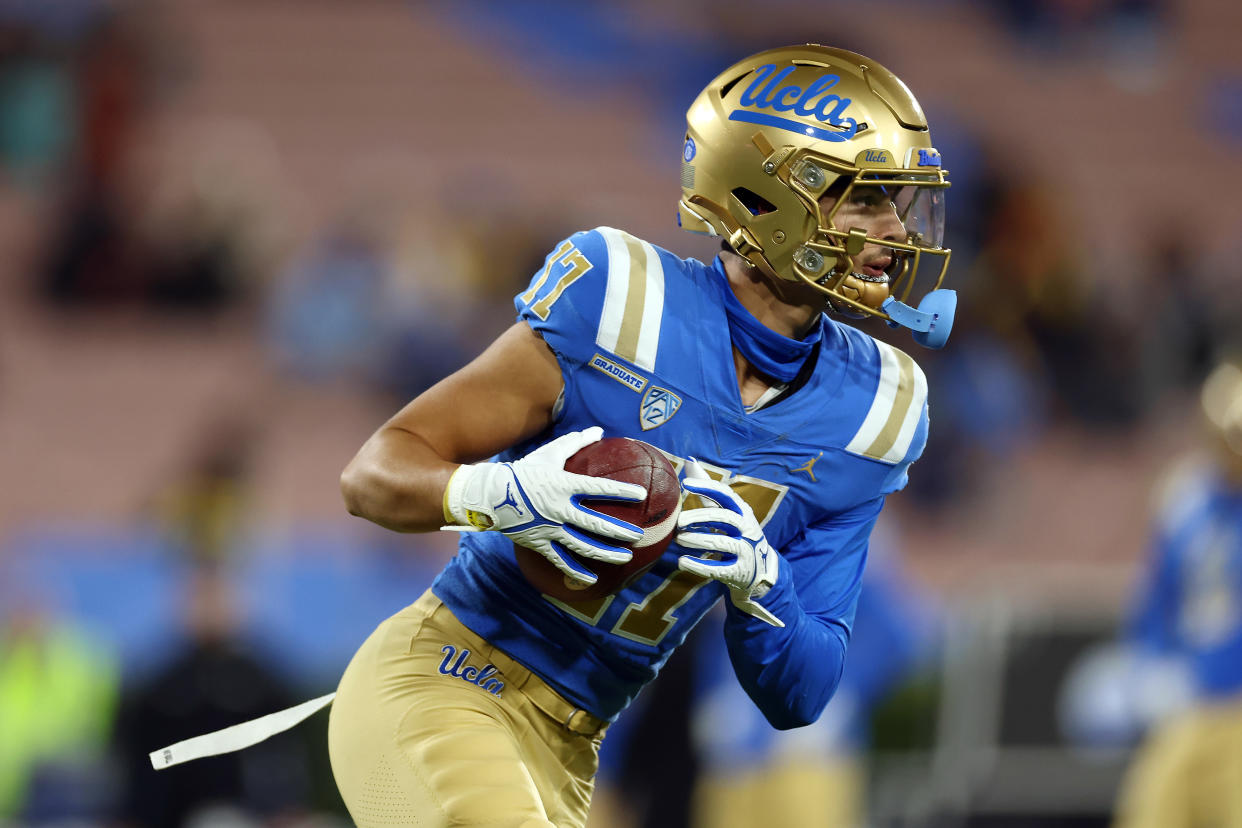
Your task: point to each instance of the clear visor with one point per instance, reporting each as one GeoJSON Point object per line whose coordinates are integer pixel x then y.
{"type": "Point", "coordinates": [920, 207]}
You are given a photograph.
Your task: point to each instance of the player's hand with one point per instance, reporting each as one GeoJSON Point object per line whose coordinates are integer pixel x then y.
{"type": "Point", "coordinates": [537, 503]}
{"type": "Point", "coordinates": [744, 561]}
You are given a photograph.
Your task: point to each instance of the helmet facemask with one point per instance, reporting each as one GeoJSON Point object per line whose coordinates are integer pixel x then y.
{"type": "Point", "coordinates": [828, 260]}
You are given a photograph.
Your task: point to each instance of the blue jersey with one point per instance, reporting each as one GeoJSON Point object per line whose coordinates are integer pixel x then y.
{"type": "Point", "coordinates": [643, 342]}
{"type": "Point", "coordinates": [1191, 603]}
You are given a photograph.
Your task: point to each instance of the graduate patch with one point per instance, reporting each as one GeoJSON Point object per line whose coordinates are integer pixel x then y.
{"type": "Point", "coordinates": [628, 378]}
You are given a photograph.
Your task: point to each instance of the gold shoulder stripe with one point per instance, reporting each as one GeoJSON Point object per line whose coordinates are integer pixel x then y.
{"type": "Point", "coordinates": [884, 441]}
{"type": "Point", "coordinates": [632, 315]}
{"type": "Point", "coordinates": [889, 427]}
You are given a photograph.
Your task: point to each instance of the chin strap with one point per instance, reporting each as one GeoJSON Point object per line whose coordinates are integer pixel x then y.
{"type": "Point", "coordinates": [931, 323]}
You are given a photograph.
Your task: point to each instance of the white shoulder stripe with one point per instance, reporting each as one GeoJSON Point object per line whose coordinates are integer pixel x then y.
{"type": "Point", "coordinates": [889, 427]}
{"type": "Point", "coordinates": [629, 325]}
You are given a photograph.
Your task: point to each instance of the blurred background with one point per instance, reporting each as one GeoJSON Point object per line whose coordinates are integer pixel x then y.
{"type": "Point", "coordinates": [236, 235]}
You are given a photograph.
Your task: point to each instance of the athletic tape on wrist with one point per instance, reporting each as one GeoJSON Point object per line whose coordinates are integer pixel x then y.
{"type": "Point", "coordinates": [449, 517]}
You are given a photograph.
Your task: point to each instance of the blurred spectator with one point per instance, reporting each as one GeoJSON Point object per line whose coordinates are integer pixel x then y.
{"type": "Point", "coordinates": [1189, 617]}
{"type": "Point", "coordinates": [395, 299]}
{"type": "Point", "coordinates": [1032, 290]}
{"type": "Point", "coordinates": [751, 774]}
{"type": "Point", "coordinates": [199, 264]}
{"type": "Point", "coordinates": [214, 681]}
{"type": "Point", "coordinates": [437, 315]}
{"type": "Point", "coordinates": [101, 248]}
{"type": "Point", "coordinates": [37, 124]}
{"type": "Point", "coordinates": [90, 256]}
{"type": "Point", "coordinates": [210, 230]}
{"type": "Point", "coordinates": [113, 79]}
{"type": "Point", "coordinates": [1173, 310]}
{"type": "Point", "coordinates": [90, 251]}
{"type": "Point", "coordinates": [204, 511]}
{"type": "Point", "coordinates": [327, 314]}
{"type": "Point", "coordinates": [455, 266]}
{"type": "Point", "coordinates": [216, 675]}
{"type": "Point", "coordinates": [58, 688]}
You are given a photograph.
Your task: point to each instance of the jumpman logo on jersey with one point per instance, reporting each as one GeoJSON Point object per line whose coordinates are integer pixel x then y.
{"type": "Point", "coordinates": [509, 501]}
{"type": "Point", "coordinates": [808, 467]}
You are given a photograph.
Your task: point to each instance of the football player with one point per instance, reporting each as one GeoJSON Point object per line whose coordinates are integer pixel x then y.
{"type": "Point", "coordinates": [484, 702]}
{"type": "Point", "coordinates": [1189, 613]}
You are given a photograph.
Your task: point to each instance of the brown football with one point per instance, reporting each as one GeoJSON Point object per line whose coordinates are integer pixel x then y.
{"type": "Point", "coordinates": [631, 461]}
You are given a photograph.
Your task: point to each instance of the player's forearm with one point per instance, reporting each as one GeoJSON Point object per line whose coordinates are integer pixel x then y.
{"type": "Point", "coordinates": [397, 480]}
{"type": "Point", "coordinates": [791, 673]}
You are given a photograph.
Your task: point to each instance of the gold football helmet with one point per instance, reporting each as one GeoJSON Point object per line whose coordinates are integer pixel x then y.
{"type": "Point", "coordinates": [775, 133]}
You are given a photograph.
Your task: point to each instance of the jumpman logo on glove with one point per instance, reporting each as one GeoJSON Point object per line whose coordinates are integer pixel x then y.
{"type": "Point", "coordinates": [509, 501]}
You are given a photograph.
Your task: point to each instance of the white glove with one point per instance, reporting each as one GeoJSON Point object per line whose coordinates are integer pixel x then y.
{"type": "Point", "coordinates": [536, 502]}
{"type": "Point", "coordinates": [730, 529]}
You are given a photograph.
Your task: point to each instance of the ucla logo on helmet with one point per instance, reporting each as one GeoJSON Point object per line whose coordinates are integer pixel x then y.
{"type": "Point", "coordinates": [815, 100]}
{"type": "Point", "coordinates": [658, 406]}
{"type": "Point", "coordinates": [687, 153]}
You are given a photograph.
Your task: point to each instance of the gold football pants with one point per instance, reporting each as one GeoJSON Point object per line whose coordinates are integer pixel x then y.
{"type": "Point", "coordinates": [432, 726]}
{"type": "Point", "coordinates": [1188, 773]}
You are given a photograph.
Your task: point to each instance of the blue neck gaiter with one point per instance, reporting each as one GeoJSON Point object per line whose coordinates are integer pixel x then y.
{"type": "Point", "coordinates": [776, 356]}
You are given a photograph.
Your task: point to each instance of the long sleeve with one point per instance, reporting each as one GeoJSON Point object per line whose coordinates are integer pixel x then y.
{"type": "Point", "coordinates": [791, 672]}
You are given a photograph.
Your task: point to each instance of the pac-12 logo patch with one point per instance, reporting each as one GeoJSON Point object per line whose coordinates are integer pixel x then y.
{"type": "Point", "coordinates": [687, 152]}
{"type": "Point", "coordinates": [659, 404]}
